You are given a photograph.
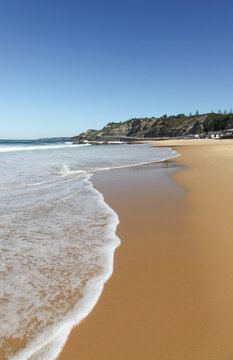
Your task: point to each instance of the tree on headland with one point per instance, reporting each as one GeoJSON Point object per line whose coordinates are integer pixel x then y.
{"type": "Point", "coordinates": [190, 114]}
{"type": "Point", "coordinates": [230, 112]}
{"type": "Point", "coordinates": [219, 111]}
{"type": "Point", "coordinates": [212, 111]}
{"type": "Point", "coordinates": [225, 111]}
{"type": "Point", "coordinates": [197, 112]}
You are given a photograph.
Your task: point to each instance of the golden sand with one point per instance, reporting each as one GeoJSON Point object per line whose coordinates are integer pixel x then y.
{"type": "Point", "coordinates": [171, 293]}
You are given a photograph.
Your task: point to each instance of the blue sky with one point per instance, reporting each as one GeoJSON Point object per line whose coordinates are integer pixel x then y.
{"type": "Point", "coordinates": [66, 66]}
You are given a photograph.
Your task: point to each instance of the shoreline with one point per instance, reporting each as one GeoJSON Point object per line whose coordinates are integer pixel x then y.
{"type": "Point", "coordinates": [116, 185]}
{"type": "Point", "coordinates": [171, 296]}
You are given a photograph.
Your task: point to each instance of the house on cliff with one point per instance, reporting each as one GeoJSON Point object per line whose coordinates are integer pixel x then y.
{"type": "Point", "coordinates": [223, 134]}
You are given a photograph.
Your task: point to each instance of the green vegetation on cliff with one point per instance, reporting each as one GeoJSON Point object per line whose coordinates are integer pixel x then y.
{"type": "Point", "coordinates": [217, 122]}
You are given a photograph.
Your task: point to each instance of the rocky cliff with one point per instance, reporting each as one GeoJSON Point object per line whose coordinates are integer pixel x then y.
{"type": "Point", "coordinates": [165, 126]}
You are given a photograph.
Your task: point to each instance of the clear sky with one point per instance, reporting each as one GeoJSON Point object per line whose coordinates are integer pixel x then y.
{"type": "Point", "coordinates": [70, 65]}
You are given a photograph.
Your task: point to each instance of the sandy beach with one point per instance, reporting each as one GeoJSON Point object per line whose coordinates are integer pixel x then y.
{"type": "Point", "coordinates": [171, 294]}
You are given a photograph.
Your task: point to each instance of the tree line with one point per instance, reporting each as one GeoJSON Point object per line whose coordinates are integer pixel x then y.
{"type": "Point", "coordinates": [212, 112]}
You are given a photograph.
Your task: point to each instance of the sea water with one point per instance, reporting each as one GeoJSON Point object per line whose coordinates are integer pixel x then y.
{"type": "Point", "coordinates": [57, 238]}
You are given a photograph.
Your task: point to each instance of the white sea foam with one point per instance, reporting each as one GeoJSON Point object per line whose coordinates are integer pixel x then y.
{"type": "Point", "coordinates": [50, 342]}
{"type": "Point", "coordinates": [10, 148]}
{"type": "Point", "coordinates": [83, 248]}
{"type": "Point", "coordinates": [65, 171]}
{"type": "Point", "coordinates": [127, 166]}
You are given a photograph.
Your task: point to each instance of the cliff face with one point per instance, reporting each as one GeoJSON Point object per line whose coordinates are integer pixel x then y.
{"type": "Point", "coordinates": [172, 126]}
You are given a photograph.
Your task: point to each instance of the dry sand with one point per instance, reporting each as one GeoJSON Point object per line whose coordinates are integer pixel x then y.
{"type": "Point", "coordinates": [171, 294]}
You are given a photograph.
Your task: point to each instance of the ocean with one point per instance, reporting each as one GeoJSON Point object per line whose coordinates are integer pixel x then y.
{"type": "Point", "coordinates": [57, 238]}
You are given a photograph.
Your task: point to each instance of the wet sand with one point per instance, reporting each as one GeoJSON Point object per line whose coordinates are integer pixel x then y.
{"type": "Point", "coordinates": [171, 294]}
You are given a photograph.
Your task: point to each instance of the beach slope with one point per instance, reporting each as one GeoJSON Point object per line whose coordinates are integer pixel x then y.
{"type": "Point", "coordinates": [171, 294]}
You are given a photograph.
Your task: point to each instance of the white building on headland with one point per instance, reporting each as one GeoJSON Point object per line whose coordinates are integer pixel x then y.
{"type": "Point", "coordinates": [220, 134]}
